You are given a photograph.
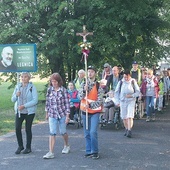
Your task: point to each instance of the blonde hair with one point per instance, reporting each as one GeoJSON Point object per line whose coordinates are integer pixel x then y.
{"type": "Point", "coordinates": [150, 72]}
{"type": "Point", "coordinates": [81, 71]}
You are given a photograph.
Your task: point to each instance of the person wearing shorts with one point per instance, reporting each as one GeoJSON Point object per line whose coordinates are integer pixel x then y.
{"type": "Point", "coordinates": [125, 94]}
{"type": "Point", "coordinates": [57, 112]}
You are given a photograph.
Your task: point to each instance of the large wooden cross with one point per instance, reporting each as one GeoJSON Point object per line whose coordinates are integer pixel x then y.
{"type": "Point", "coordinates": [84, 34]}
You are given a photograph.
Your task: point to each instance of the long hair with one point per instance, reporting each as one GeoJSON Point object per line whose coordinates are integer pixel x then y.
{"type": "Point", "coordinates": [57, 77]}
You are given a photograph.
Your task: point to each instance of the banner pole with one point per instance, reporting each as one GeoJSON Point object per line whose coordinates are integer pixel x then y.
{"type": "Point", "coordinates": [18, 80]}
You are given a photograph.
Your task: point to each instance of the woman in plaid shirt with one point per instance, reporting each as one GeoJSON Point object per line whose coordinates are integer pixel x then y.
{"type": "Point", "coordinates": [57, 112]}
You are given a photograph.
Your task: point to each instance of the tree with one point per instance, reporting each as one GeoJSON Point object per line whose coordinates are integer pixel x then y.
{"type": "Point", "coordinates": [127, 27]}
{"type": "Point", "coordinates": [123, 31]}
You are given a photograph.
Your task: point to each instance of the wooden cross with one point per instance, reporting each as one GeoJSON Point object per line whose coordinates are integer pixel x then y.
{"type": "Point", "coordinates": [84, 34]}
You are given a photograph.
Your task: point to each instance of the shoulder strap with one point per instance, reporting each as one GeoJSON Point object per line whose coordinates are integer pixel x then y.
{"type": "Point", "coordinates": [133, 85]}
{"type": "Point", "coordinates": [31, 89]}
{"type": "Point", "coordinates": [63, 90]}
{"type": "Point", "coordinates": [75, 80]}
{"type": "Point", "coordinates": [120, 86]}
{"type": "Point", "coordinates": [97, 85]}
{"type": "Point", "coordinates": [132, 82]}
{"type": "Point", "coordinates": [49, 90]}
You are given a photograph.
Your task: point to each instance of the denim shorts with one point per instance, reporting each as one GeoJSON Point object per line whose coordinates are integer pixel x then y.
{"type": "Point", "coordinates": [55, 124]}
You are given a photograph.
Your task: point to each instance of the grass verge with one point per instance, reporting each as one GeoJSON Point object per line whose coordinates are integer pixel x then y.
{"type": "Point", "coordinates": [7, 122]}
{"type": "Point", "coordinates": [7, 115]}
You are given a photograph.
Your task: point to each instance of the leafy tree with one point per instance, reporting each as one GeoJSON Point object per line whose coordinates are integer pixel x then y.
{"type": "Point", "coordinates": [127, 27]}
{"type": "Point", "coordinates": [123, 31]}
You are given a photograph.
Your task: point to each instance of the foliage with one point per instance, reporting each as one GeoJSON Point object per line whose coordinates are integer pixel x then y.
{"type": "Point", "coordinates": [123, 31]}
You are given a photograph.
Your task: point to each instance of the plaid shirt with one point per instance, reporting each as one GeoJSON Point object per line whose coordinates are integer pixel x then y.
{"type": "Point", "coordinates": [57, 102]}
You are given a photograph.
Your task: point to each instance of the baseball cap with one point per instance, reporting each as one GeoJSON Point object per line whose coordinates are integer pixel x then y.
{"type": "Point", "coordinates": [106, 65]}
{"type": "Point", "coordinates": [92, 68]}
{"type": "Point", "coordinates": [135, 62]}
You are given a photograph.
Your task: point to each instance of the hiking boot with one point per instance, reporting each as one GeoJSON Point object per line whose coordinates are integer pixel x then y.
{"type": "Point", "coordinates": [148, 119]}
{"type": "Point", "coordinates": [49, 155]}
{"type": "Point", "coordinates": [129, 134]}
{"type": "Point", "coordinates": [160, 111]}
{"type": "Point", "coordinates": [18, 151]}
{"type": "Point", "coordinates": [26, 151]}
{"type": "Point", "coordinates": [66, 149]}
{"type": "Point", "coordinates": [125, 132]}
{"type": "Point", "coordinates": [95, 156]}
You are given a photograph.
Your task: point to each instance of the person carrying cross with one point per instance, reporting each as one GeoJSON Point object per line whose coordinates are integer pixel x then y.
{"type": "Point", "coordinates": [94, 107]}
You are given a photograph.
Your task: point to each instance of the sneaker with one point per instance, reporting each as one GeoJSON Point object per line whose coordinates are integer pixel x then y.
{"type": "Point", "coordinates": [88, 155]}
{"type": "Point", "coordinates": [153, 117]}
{"type": "Point", "coordinates": [71, 121]}
{"type": "Point", "coordinates": [66, 149]}
{"type": "Point", "coordinates": [95, 156]}
{"type": "Point", "coordinates": [129, 134]}
{"type": "Point", "coordinates": [148, 119]}
{"type": "Point", "coordinates": [105, 121]}
{"type": "Point", "coordinates": [109, 122]}
{"type": "Point", "coordinates": [49, 155]}
{"type": "Point", "coordinates": [18, 151]}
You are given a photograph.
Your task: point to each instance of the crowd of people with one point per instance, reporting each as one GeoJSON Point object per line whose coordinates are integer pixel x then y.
{"type": "Point", "coordinates": [90, 96]}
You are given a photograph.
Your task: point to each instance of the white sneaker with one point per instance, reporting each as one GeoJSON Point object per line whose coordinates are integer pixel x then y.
{"type": "Point", "coordinates": [49, 155]}
{"type": "Point", "coordinates": [66, 149]}
{"type": "Point", "coordinates": [71, 121]}
{"type": "Point", "coordinates": [148, 119]}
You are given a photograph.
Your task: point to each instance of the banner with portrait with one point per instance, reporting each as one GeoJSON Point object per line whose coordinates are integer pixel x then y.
{"type": "Point", "coordinates": [18, 58]}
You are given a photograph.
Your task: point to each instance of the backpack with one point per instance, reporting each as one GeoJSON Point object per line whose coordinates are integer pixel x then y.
{"type": "Point", "coordinates": [132, 82]}
{"type": "Point", "coordinates": [31, 89]}
{"type": "Point", "coordinates": [50, 89]}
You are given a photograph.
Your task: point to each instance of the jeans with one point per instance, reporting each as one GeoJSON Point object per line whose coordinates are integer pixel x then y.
{"type": "Point", "coordinates": [150, 102]}
{"type": "Point", "coordinates": [91, 134]}
{"type": "Point", "coordinates": [28, 128]}
{"type": "Point", "coordinates": [55, 123]}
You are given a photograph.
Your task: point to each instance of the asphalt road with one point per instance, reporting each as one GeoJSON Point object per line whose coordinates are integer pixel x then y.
{"type": "Point", "coordinates": [148, 149]}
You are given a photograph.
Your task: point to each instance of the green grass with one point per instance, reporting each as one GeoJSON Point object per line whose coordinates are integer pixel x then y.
{"type": "Point", "coordinates": [5, 94]}
{"type": "Point", "coordinates": [7, 120]}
